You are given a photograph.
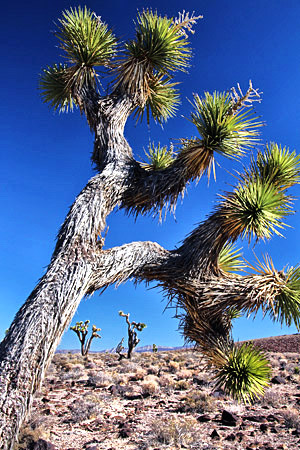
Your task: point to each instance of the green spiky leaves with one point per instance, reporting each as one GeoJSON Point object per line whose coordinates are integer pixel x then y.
{"type": "Point", "coordinates": [85, 39]}
{"type": "Point", "coordinates": [287, 304]}
{"type": "Point", "coordinates": [280, 292]}
{"type": "Point", "coordinates": [53, 86]}
{"type": "Point", "coordinates": [162, 100]}
{"type": "Point", "coordinates": [86, 43]}
{"type": "Point", "coordinates": [243, 371]}
{"type": "Point", "coordinates": [222, 129]}
{"type": "Point", "coordinates": [278, 165]}
{"type": "Point", "coordinates": [258, 204]}
{"type": "Point", "coordinates": [230, 259]}
{"type": "Point", "coordinates": [159, 49]}
{"type": "Point", "coordinates": [255, 210]}
{"type": "Point", "coordinates": [159, 157]}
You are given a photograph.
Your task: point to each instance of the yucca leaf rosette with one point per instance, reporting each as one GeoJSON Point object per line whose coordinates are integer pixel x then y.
{"type": "Point", "coordinates": [243, 371]}
{"type": "Point", "coordinates": [86, 43]}
{"type": "Point", "coordinates": [257, 206]}
{"type": "Point", "coordinates": [278, 165]}
{"type": "Point", "coordinates": [222, 130]}
{"type": "Point", "coordinates": [158, 157]}
{"type": "Point", "coordinates": [53, 86]}
{"type": "Point", "coordinates": [230, 259]}
{"type": "Point", "coordinates": [160, 48]}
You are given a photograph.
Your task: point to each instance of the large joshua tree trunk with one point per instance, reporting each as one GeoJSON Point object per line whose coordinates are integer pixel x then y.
{"type": "Point", "coordinates": [78, 267]}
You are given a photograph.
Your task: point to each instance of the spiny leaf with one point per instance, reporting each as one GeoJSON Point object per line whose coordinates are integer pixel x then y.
{"type": "Point", "coordinates": [229, 259]}
{"type": "Point", "coordinates": [243, 371]}
{"type": "Point", "coordinates": [159, 157]}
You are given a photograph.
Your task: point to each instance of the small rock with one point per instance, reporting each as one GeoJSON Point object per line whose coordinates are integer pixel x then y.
{"type": "Point", "coordinates": [240, 436]}
{"type": "Point", "coordinates": [229, 418]}
{"type": "Point", "coordinates": [296, 432]}
{"type": "Point", "coordinates": [200, 382]}
{"type": "Point", "coordinates": [259, 419]}
{"type": "Point", "coordinates": [204, 418]}
{"type": "Point", "coordinates": [230, 437]}
{"type": "Point", "coordinates": [264, 427]}
{"type": "Point", "coordinates": [215, 435]}
{"type": "Point", "coordinates": [41, 444]}
{"type": "Point", "coordinates": [125, 430]}
{"type": "Point", "coordinates": [274, 430]}
{"type": "Point", "coordinates": [278, 380]}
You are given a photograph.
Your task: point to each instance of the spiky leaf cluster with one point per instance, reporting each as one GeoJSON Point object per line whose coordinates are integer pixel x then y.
{"type": "Point", "coordinates": [86, 43]}
{"type": "Point", "coordinates": [258, 204]}
{"type": "Point", "coordinates": [282, 301]}
{"type": "Point", "coordinates": [159, 157]}
{"type": "Point", "coordinates": [243, 371]}
{"type": "Point", "coordinates": [158, 50]}
{"type": "Point", "coordinates": [53, 88]}
{"type": "Point", "coordinates": [222, 130]}
{"type": "Point", "coordinates": [230, 259]}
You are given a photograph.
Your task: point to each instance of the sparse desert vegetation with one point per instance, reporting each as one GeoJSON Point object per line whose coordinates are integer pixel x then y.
{"type": "Point", "coordinates": [164, 400]}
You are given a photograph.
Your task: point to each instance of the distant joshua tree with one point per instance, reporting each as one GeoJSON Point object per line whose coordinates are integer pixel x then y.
{"type": "Point", "coordinates": [133, 327]}
{"type": "Point", "coordinates": [81, 329]}
{"type": "Point", "coordinates": [197, 277]}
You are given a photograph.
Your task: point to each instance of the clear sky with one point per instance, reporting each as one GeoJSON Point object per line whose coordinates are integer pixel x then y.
{"type": "Point", "coordinates": [45, 157]}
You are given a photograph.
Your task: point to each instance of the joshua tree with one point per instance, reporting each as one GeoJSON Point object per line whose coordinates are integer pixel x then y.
{"type": "Point", "coordinates": [81, 329]}
{"type": "Point", "coordinates": [195, 275]}
{"type": "Point", "coordinates": [132, 329]}
{"type": "Point", "coordinates": [120, 348]}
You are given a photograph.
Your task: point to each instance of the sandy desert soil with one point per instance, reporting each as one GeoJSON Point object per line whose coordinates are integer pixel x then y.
{"type": "Point", "coordinates": [164, 400]}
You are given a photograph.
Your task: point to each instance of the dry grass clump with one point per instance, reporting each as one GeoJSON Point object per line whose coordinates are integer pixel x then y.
{"type": "Point", "coordinates": [150, 384]}
{"type": "Point", "coordinates": [139, 373]}
{"type": "Point", "coordinates": [182, 385]}
{"type": "Point", "coordinates": [198, 402]}
{"type": "Point", "coordinates": [74, 374]}
{"type": "Point", "coordinates": [174, 366]}
{"type": "Point", "coordinates": [167, 382]}
{"type": "Point", "coordinates": [100, 380]}
{"type": "Point", "coordinates": [273, 398]}
{"type": "Point", "coordinates": [291, 418]}
{"type": "Point", "coordinates": [184, 374]}
{"type": "Point", "coordinates": [84, 410]}
{"type": "Point", "coordinates": [176, 431]}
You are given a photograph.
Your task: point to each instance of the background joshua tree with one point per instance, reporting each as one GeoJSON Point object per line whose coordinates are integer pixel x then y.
{"type": "Point", "coordinates": [195, 277]}
{"type": "Point", "coordinates": [81, 329]}
{"type": "Point", "coordinates": [132, 329]}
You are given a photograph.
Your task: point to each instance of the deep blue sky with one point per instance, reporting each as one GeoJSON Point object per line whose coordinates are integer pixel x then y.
{"type": "Point", "coordinates": [45, 157]}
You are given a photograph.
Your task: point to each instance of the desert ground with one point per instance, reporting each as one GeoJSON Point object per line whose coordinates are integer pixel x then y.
{"type": "Point", "coordinates": [163, 400]}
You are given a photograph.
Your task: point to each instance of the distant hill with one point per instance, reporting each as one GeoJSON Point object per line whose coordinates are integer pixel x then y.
{"type": "Point", "coordinates": [145, 348]}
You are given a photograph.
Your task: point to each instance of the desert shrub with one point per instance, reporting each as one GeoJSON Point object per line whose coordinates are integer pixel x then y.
{"type": "Point", "coordinates": [291, 418]}
{"type": "Point", "coordinates": [184, 374]}
{"type": "Point", "coordinates": [273, 398]}
{"type": "Point", "coordinates": [140, 373]}
{"type": "Point", "coordinates": [167, 381]}
{"type": "Point", "coordinates": [177, 431]}
{"type": "Point", "coordinates": [296, 370]}
{"type": "Point", "coordinates": [73, 374]}
{"type": "Point", "coordinates": [84, 410]}
{"type": "Point", "coordinates": [182, 385]}
{"type": "Point", "coordinates": [150, 384]}
{"type": "Point", "coordinates": [198, 402]}
{"type": "Point", "coordinates": [153, 370]}
{"type": "Point", "coordinates": [100, 380]}
{"type": "Point", "coordinates": [173, 366]}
